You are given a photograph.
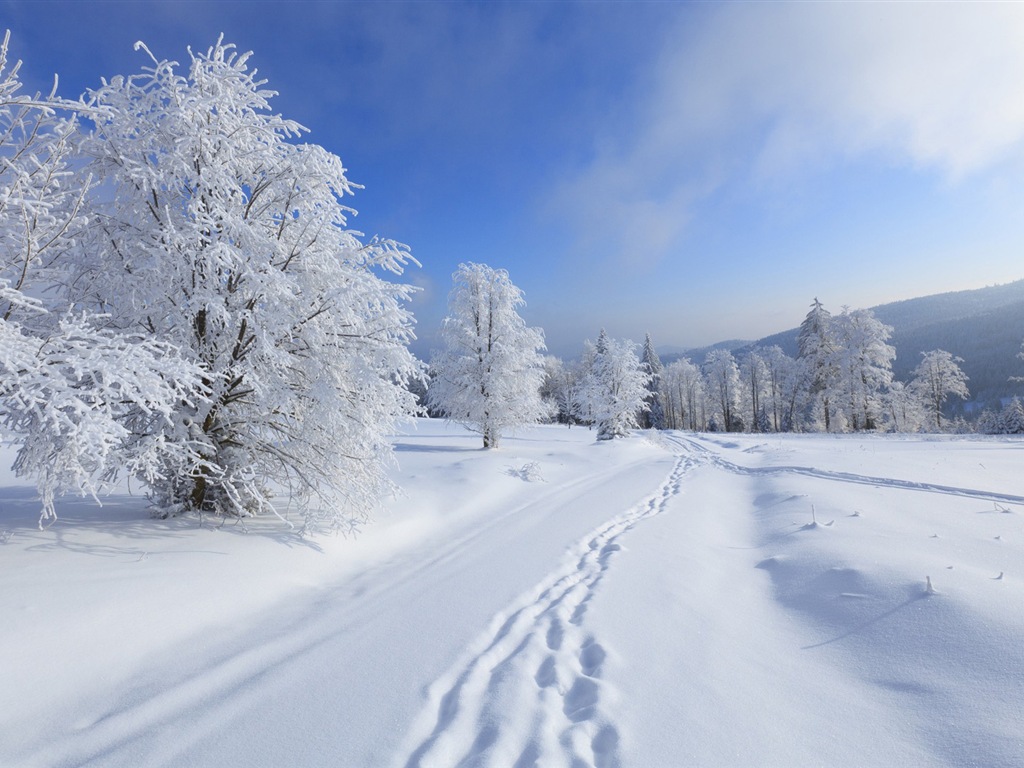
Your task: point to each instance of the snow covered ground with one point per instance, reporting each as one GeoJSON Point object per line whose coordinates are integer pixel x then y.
{"type": "Point", "coordinates": [665, 600]}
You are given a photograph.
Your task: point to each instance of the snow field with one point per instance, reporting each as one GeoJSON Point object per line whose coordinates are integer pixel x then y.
{"type": "Point", "coordinates": [667, 599]}
{"type": "Point", "coordinates": [944, 671]}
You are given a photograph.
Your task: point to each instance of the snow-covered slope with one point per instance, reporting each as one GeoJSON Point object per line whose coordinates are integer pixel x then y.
{"type": "Point", "coordinates": [668, 599]}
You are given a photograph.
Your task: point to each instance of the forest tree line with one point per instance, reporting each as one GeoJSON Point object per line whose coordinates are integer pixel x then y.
{"type": "Point", "coordinates": [841, 380]}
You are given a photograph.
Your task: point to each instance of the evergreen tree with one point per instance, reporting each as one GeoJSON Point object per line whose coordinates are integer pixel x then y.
{"type": "Point", "coordinates": [817, 351]}
{"type": "Point", "coordinates": [616, 387]}
{"type": "Point", "coordinates": [654, 416]}
{"type": "Point", "coordinates": [1011, 418]}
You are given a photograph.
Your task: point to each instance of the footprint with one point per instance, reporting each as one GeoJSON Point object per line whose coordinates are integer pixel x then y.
{"type": "Point", "coordinates": [530, 757]}
{"type": "Point", "coordinates": [555, 635]}
{"type": "Point", "coordinates": [581, 610]}
{"type": "Point", "coordinates": [592, 657]}
{"type": "Point", "coordinates": [581, 700]}
{"type": "Point", "coordinates": [606, 747]}
{"type": "Point", "coordinates": [547, 674]}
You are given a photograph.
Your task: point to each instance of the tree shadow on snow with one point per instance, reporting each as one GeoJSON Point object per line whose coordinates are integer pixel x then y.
{"type": "Point", "coordinates": [122, 518]}
{"type": "Point", "coordinates": [860, 627]}
{"type": "Point", "coordinates": [414, 448]}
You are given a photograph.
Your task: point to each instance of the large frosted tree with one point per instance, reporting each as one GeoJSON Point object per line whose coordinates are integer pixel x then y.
{"type": "Point", "coordinates": [489, 373]}
{"type": "Point", "coordinates": [228, 239]}
{"type": "Point", "coordinates": [77, 398]}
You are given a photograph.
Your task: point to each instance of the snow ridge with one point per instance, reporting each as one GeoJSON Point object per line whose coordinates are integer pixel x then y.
{"type": "Point", "coordinates": [485, 710]}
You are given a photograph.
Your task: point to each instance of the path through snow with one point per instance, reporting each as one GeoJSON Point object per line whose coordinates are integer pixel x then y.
{"type": "Point", "coordinates": [530, 691]}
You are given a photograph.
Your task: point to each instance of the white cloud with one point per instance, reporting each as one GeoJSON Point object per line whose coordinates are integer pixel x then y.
{"type": "Point", "coordinates": [938, 83]}
{"type": "Point", "coordinates": [747, 91]}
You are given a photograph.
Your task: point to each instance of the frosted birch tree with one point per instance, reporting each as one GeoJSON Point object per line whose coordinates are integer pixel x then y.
{"type": "Point", "coordinates": [722, 377]}
{"type": "Point", "coordinates": [228, 239]}
{"type": "Point", "coordinates": [491, 368]}
{"type": "Point", "coordinates": [682, 389]}
{"type": "Point", "coordinates": [783, 384]}
{"type": "Point", "coordinates": [564, 388]}
{"type": "Point", "coordinates": [754, 390]}
{"type": "Point", "coordinates": [936, 377]}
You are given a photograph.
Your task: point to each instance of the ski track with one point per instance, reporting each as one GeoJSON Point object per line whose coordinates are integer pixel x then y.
{"type": "Point", "coordinates": [714, 458]}
{"type": "Point", "coordinates": [530, 689]}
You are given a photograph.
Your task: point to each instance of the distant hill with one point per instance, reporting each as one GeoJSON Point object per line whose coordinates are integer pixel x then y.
{"type": "Point", "coordinates": [984, 326]}
{"type": "Point", "coordinates": [697, 354]}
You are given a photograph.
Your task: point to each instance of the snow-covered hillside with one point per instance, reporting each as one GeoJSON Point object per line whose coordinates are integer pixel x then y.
{"type": "Point", "coordinates": [668, 599]}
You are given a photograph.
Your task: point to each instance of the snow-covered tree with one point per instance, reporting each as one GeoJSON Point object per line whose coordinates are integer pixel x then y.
{"type": "Point", "coordinates": [228, 240]}
{"type": "Point", "coordinates": [1009, 420]}
{"type": "Point", "coordinates": [784, 387]}
{"type": "Point", "coordinates": [862, 361]}
{"type": "Point", "coordinates": [817, 351]}
{"type": "Point", "coordinates": [77, 399]}
{"type": "Point", "coordinates": [753, 391]}
{"type": "Point", "coordinates": [936, 377]}
{"type": "Point", "coordinates": [723, 379]}
{"type": "Point", "coordinates": [554, 373]}
{"type": "Point", "coordinates": [904, 409]}
{"type": "Point", "coordinates": [491, 367]}
{"type": "Point", "coordinates": [563, 388]}
{"type": "Point", "coordinates": [616, 387]}
{"type": "Point", "coordinates": [654, 416]}
{"type": "Point", "coordinates": [682, 387]}
{"type": "Point", "coordinates": [584, 370]}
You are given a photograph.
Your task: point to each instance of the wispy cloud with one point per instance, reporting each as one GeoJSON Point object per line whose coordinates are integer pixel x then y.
{"type": "Point", "coordinates": [742, 93]}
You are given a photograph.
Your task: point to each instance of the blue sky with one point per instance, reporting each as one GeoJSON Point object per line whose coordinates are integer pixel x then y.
{"type": "Point", "coordinates": [700, 171]}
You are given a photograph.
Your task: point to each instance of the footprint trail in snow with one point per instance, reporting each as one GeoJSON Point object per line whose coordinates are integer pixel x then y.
{"type": "Point", "coordinates": [530, 689]}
